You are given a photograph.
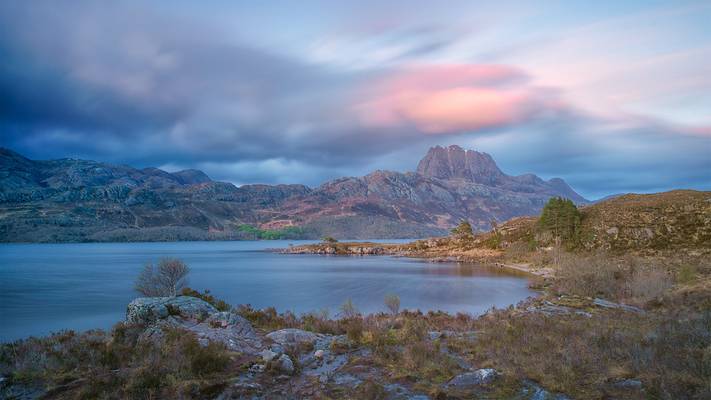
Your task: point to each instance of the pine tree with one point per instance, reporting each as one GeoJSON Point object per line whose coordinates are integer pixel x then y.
{"type": "Point", "coordinates": [561, 218]}
{"type": "Point", "coordinates": [463, 231]}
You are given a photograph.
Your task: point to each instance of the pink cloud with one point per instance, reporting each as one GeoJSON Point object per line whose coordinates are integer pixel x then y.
{"type": "Point", "coordinates": [451, 98]}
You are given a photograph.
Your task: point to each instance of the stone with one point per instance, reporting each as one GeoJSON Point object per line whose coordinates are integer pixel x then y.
{"type": "Point", "coordinates": [277, 348]}
{"type": "Point", "coordinates": [291, 337]}
{"type": "Point", "coordinates": [146, 310]}
{"type": "Point", "coordinates": [532, 391]}
{"type": "Point", "coordinates": [285, 364]}
{"type": "Point", "coordinates": [475, 378]}
{"type": "Point", "coordinates": [609, 304]}
{"type": "Point", "coordinates": [319, 353]}
{"type": "Point", "coordinates": [268, 355]}
{"type": "Point", "coordinates": [628, 384]}
{"type": "Point", "coordinates": [229, 328]}
{"type": "Point", "coordinates": [257, 368]}
{"type": "Point", "coordinates": [434, 335]}
{"type": "Point", "coordinates": [347, 380]}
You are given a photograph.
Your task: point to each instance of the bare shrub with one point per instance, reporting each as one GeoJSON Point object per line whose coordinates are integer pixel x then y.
{"type": "Point", "coordinates": [588, 276]}
{"type": "Point", "coordinates": [517, 251]}
{"type": "Point", "coordinates": [392, 302]}
{"type": "Point", "coordinates": [647, 284]}
{"type": "Point", "coordinates": [630, 279]}
{"type": "Point", "coordinates": [165, 279]}
{"type": "Point", "coordinates": [349, 310]}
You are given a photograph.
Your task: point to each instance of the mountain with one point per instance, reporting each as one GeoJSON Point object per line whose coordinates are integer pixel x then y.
{"type": "Point", "coordinates": [79, 200]}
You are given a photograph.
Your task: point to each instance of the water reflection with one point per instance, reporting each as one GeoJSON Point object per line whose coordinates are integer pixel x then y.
{"type": "Point", "coordinates": [45, 288]}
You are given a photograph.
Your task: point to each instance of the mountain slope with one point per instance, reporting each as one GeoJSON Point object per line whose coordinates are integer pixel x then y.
{"type": "Point", "coordinates": [78, 200]}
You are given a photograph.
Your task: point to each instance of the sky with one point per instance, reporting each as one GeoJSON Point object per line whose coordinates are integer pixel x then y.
{"type": "Point", "coordinates": [612, 96]}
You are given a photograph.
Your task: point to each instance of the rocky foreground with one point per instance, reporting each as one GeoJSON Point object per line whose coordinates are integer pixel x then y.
{"type": "Point", "coordinates": [296, 363]}
{"type": "Point", "coordinates": [624, 313]}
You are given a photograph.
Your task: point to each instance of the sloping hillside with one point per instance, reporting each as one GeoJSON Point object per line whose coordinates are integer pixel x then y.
{"type": "Point", "coordinates": [679, 219]}
{"type": "Point", "coordinates": [80, 200]}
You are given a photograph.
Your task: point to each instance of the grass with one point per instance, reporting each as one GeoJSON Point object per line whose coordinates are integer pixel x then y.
{"type": "Point", "coordinates": [96, 364]}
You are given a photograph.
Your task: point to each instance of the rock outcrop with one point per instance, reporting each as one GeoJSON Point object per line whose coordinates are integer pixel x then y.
{"type": "Point", "coordinates": [454, 162]}
{"type": "Point", "coordinates": [196, 316]}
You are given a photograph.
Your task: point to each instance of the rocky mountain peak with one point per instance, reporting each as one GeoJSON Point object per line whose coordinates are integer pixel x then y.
{"type": "Point", "coordinates": [454, 162]}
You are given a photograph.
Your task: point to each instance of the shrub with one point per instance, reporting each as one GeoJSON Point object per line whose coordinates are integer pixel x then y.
{"type": "Point", "coordinates": [686, 273]}
{"type": "Point", "coordinates": [648, 284]}
{"type": "Point", "coordinates": [392, 302]}
{"type": "Point", "coordinates": [267, 318]}
{"type": "Point", "coordinates": [463, 231]}
{"type": "Point", "coordinates": [166, 279]}
{"type": "Point", "coordinates": [628, 279]}
{"type": "Point", "coordinates": [329, 239]}
{"type": "Point", "coordinates": [354, 329]}
{"type": "Point", "coordinates": [349, 310]}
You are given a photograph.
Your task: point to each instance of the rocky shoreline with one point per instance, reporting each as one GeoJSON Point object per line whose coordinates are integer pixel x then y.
{"type": "Point", "coordinates": [485, 257]}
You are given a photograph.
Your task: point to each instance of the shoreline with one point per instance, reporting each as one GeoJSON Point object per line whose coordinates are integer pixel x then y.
{"type": "Point", "coordinates": [487, 257]}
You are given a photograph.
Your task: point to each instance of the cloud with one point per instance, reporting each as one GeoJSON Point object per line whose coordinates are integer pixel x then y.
{"type": "Point", "coordinates": [172, 84]}
{"type": "Point", "coordinates": [446, 99]}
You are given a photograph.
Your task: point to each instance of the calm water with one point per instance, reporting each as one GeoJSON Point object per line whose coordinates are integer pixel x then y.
{"type": "Point", "coordinates": [49, 287]}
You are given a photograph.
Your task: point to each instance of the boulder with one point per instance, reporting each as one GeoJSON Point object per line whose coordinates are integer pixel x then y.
{"type": "Point", "coordinates": [475, 378]}
{"type": "Point", "coordinates": [284, 364]}
{"type": "Point", "coordinates": [532, 391]}
{"type": "Point", "coordinates": [196, 316]}
{"type": "Point", "coordinates": [268, 355]}
{"type": "Point", "coordinates": [147, 310]}
{"type": "Point", "coordinates": [230, 329]}
{"type": "Point", "coordinates": [291, 337]}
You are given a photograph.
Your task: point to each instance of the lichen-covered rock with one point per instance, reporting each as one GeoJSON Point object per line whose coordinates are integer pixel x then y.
{"type": "Point", "coordinates": [196, 316]}
{"type": "Point", "coordinates": [268, 355]}
{"type": "Point", "coordinates": [292, 337]}
{"type": "Point", "coordinates": [475, 378]}
{"type": "Point", "coordinates": [147, 310]}
{"type": "Point", "coordinates": [228, 328]}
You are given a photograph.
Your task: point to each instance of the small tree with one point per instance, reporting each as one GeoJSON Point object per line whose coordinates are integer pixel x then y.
{"type": "Point", "coordinates": [329, 239]}
{"type": "Point", "coordinates": [165, 279]}
{"type": "Point", "coordinates": [463, 231]}
{"type": "Point", "coordinates": [392, 302]}
{"type": "Point", "coordinates": [560, 218]}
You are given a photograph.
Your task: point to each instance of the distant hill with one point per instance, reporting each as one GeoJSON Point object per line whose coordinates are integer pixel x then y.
{"type": "Point", "coordinates": [79, 200]}
{"type": "Point", "coordinates": [675, 220]}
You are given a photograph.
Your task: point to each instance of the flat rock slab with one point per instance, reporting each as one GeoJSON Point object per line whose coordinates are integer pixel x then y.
{"type": "Point", "coordinates": [228, 328]}
{"type": "Point", "coordinates": [292, 337]}
{"type": "Point", "coordinates": [146, 310]}
{"type": "Point", "coordinates": [609, 304]}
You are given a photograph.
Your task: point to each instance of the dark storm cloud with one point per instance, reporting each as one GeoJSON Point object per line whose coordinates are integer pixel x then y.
{"type": "Point", "coordinates": [111, 83]}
